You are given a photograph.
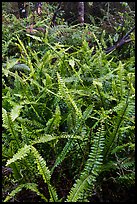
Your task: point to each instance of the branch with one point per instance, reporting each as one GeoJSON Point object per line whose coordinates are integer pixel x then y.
{"type": "Point", "coordinates": [124, 40]}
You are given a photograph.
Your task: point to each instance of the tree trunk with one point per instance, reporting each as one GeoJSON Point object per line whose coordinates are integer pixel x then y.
{"type": "Point", "coordinates": [81, 12]}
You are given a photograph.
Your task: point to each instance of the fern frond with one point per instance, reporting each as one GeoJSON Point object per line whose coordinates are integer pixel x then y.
{"type": "Point", "coordinates": [64, 92]}
{"type": "Point", "coordinates": [121, 147]}
{"type": "Point", "coordinates": [79, 187]}
{"type": "Point", "coordinates": [15, 111]}
{"type": "Point", "coordinates": [8, 124]}
{"type": "Point", "coordinates": [20, 67]}
{"type": "Point", "coordinates": [22, 48]}
{"type": "Point", "coordinates": [23, 152]}
{"type": "Point", "coordinates": [54, 122]}
{"type": "Point", "coordinates": [48, 138]}
{"type": "Point", "coordinates": [91, 170]}
{"type": "Point", "coordinates": [31, 124]}
{"type": "Point", "coordinates": [69, 145]}
{"type": "Point", "coordinates": [87, 112]}
{"type": "Point", "coordinates": [30, 186]}
{"type": "Point", "coordinates": [44, 171]}
{"type": "Point", "coordinates": [121, 109]}
{"type": "Point", "coordinates": [129, 179]}
{"type": "Point", "coordinates": [5, 118]}
{"type": "Point", "coordinates": [41, 165]}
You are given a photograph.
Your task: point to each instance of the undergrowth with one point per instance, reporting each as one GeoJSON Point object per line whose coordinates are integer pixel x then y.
{"type": "Point", "coordinates": [68, 112]}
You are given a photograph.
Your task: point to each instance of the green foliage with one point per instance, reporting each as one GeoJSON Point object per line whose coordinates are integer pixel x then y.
{"type": "Point", "coordinates": [88, 175]}
{"type": "Point", "coordinates": [68, 110]}
{"type": "Point", "coordinates": [31, 186]}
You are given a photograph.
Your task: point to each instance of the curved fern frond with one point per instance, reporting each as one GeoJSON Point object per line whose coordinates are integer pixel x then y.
{"type": "Point", "coordinates": [20, 67]}
{"type": "Point", "coordinates": [44, 171]}
{"type": "Point", "coordinates": [90, 172]}
{"type": "Point", "coordinates": [23, 152]}
{"type": "Point", "coordinates": [41, 165]}
{"type": "Point", "coordinates": [5, 118]}
{"type": "Point", "coordinates": [30, 186]}
{"type": "Point", "coordinates": [22, 48]}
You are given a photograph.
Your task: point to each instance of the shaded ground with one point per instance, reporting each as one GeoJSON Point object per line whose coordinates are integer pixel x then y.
{"type": "Point", "coordinates": [108, 191]}
{"type": "Point", "coordinates": [113, 192]}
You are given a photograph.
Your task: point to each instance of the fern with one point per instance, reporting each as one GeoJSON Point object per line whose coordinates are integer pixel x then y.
{"type": "Point", "coordinates": [15, 111]}
{"type": "Point", "coordinates": [47, 138]}
{"type": "Point", "coordinates": [41, 165]}
{"type": "Point", "coordinates": [44, 171]}
{"type": "Point", "coordinates": [67, 148]}
{"type": "Point", "coordinates": [114, 135]}
{"type": "Point", "coordinates": [8, 124]}
{"type": "Point", "coordinates": [54, 122]}
{"type": "Point", "coordinates": [64, 92]}
{"type": "Point", "coordinates": [21, 67]}
{"type": "Point", "coordinates": [20, 154]}
{"type": "Point", "coordinates": [70, 144]}
{"type": "Point", "coordinates": [91, 170]}
{"type": "Point", "coordinates": [22, 48]}
{"type": "Point", "coordinates": [30, 186]}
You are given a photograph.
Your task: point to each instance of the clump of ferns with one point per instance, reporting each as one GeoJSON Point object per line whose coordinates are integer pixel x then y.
{"type": "Point", "coordinates": [83, 184]}
{"type": "Point", "coordinates": [14, 139]}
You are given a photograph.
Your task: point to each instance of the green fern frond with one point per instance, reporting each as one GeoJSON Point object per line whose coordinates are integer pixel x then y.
{"type": "Point", "coordinates": [9, 125]}
{"type": "Point", "coordinates": [5, 118]}
{"type": "Point", "coordinates": [129, 179]}
{"type": "Point", "coordinates": [44, 171]}
{"type": "Point", "coordinates": [14, 192]}
{"type": "Point", "coordinates": [48, 138]}
{"type": "Point", "coordinates": [54, 122]}
{"type": "Point", "coordinates": [64, 93]}
{"type": "Point", "coordinates": [41, 165]}
{"type": "Point", "coordinates": [121, 110]}
{"type": "Point", "coordinates": [23, 152]}
{"type": "Point", "coordinates": [21, 67]}
{"type": "Point", "coordinates": [69, 145]}
{"type": "Point", "coordinates": [87, 112]}
{"type": "Point", "coordinates": [22, 48]}
{"type": "Point", "coordinates": [91, 170]}
{"type": "Point", "coordinates": [30, 186]}
{"type": "Point", "coordinates": [79, 187]}
{"type": "Point", "coordinates": [121, 147]}
{"type": "Point", "coordinates": [30, 124]}
{"type": "Point", "coordinates": [15, 112]}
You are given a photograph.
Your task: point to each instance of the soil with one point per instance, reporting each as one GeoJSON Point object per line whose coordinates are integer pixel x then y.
{"type": "Point", "coordinates": [108, 191]}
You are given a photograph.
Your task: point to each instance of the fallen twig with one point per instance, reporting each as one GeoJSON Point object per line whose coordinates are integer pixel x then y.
{"type": "Point", "coordinates": [124, 40]}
